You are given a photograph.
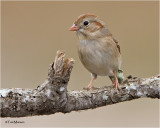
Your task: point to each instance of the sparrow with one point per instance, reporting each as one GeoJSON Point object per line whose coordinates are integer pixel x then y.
{"type": "Point", "coordinates": [98, 50]}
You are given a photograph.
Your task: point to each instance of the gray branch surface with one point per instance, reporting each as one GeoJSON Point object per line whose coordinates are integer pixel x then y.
{"type": "Point", "coordinates": [52, 96]}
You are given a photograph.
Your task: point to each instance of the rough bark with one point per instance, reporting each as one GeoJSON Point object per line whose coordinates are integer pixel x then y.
{"type": "Point", "coordinates": [52, 96]}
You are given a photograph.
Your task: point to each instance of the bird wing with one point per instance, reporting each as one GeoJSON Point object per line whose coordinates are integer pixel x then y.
{"type": "Point", "coordinates": [118, 46]}
{"type": "Point", "coordinates": [105, 31]}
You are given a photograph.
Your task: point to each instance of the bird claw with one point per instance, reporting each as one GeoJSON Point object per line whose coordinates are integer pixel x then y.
{"type": "Point", "coordinates": [86, 88]}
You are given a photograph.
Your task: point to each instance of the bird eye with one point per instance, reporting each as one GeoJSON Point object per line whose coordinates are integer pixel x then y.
{"type": "Point", "coordinates": [85, 23]}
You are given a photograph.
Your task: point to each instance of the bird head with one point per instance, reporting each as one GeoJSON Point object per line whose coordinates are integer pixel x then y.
{"type": "Point", "coordinates": [88, 26]}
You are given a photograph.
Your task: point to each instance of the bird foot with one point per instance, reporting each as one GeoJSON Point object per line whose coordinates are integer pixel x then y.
{"type": "Point", "coordinates": [89, 88]}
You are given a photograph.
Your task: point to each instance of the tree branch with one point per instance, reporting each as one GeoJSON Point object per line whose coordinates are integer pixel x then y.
{"type": "Point", "coordinates": [52, 96]}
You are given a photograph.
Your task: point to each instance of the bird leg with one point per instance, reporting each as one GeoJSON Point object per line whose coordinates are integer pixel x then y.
{"type": "Point", "coordinates": [94, 76]}
{"type": "Point", "coordinates": [116, 83]}
{"type": "Point", "coordinates": [90, 84]}
{"type": "Point", "coordinates": [120, 77]}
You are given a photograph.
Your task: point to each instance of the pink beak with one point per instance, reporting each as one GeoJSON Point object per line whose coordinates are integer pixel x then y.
{"type": "Point", "coordinates": [74, 28]}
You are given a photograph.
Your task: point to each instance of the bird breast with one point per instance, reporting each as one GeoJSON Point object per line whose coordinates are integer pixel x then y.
{"type": "Point", "coordinates": [100, 56]}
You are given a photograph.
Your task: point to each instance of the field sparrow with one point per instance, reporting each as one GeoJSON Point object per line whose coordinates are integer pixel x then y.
{"type": "Point", "coordinates": [98, 51]}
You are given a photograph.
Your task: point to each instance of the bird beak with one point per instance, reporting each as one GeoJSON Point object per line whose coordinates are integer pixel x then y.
{"type": "Point", "coordinates": [73, 28]}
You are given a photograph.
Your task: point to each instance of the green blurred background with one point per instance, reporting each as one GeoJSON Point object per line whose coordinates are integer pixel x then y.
{"type": "Point", "coordinates": [32, 32]}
